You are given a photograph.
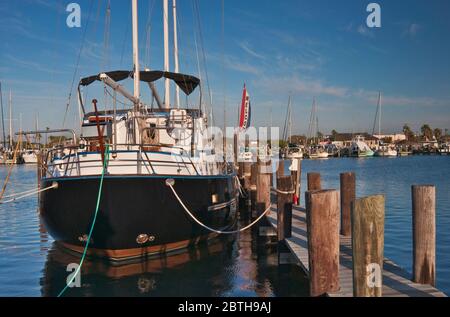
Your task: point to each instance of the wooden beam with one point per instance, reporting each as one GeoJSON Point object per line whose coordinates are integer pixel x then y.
{"type": "Point", "coordinates": [314, 182]}
{"type": "Point", "coordinates": [368, 246]}
{"type": "Point", "coordinates": [284, 207]}
{"type": "Point", "coordinates": [322, 210]}
{"type": "Point", "coordinates": [424, 234]}
{"type": "Point", "coordinates": [348, 194]}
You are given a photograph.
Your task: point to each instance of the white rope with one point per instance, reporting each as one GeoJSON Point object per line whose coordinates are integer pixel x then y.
{"type": "Point", "coordinates": [170, 184]}
{"type": "Point", "coordinates": [54, 185]}
{"type": "Point", "coordinates": [21, 193]}
{"type": "Point", "coordinates": [291, 192]}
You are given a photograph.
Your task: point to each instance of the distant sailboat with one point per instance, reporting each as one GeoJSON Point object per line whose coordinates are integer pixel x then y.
{"type": "Point", "coordinates": [315, 151]}
{"type": "Point", "coordinates": [384, 150]}
{"type": "Point", "coordinates": [292, 151]}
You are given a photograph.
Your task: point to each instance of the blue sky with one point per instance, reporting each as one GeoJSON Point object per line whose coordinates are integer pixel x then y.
{"type": "Point", "coordinates": [309, 49]}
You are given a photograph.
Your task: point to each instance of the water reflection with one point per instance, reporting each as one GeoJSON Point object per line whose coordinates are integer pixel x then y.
{"type": "Point", "coordinates": [231, 266]}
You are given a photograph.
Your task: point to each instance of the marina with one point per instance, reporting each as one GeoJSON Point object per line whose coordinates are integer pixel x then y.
{"type": "Point", "coordinates": [153, 154]}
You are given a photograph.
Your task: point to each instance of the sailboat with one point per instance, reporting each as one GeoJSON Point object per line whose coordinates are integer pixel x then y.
{"type": "Point", "coordinates": [153, 167]}
{"type": "Point", "coordinates": [293, 151]}
{"type": "Point", "coordinates": [315, 151]}
{"type": "Point", "coordinates": [384, 150]}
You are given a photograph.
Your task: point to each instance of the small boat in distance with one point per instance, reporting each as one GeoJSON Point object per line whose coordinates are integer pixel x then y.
{"type": "Point", "coordinates": [386, 151]}
{"type": "Point", "coordinates": [359, 147]}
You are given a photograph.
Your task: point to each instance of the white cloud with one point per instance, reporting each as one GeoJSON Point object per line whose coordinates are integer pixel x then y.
{"type": "Point", "coordinates": [364, 31]}
{"type": "Point", "coordinates": [412, 29]}
{"type": "Point", "coordinates": [295, 84]}
{"type": "Point", "coordinates": [246, 47]}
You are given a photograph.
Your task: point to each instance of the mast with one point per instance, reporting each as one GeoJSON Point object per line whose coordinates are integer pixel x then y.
{"type": "Point", "coordinates": [166, 52]}
{"type": "Point", "coordinates": [10, 120]}
{"type": "Point", "coordinates": [379, 114]}
{"type": "Point", "coordinates": [175, 51]}
{"type": "Point", "coordinates": [290, 120]}
{"type": "Point", "coordinates": [3, 119]}
{"type": "Point", "coordinates": [20, 129]}
{"type": "Point", "coordinates": [136, 53]}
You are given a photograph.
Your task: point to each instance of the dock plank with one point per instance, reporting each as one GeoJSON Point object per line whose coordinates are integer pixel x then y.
{"type": "Point", "coordinates": [396, 281]}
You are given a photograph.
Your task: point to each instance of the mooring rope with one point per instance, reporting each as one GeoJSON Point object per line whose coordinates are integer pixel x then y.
{"type": "Point", "coordinates": [99, 196]}
{"type": "Point", "coordinates": [28, 194]}
{"type": "Point", "coordinates": [291, 192]}
{"type": "Point", "coordinates": [170, 183]}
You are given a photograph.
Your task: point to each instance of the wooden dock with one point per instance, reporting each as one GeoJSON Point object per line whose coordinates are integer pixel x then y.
{"type": "Point", "coordinates": [396, 281]}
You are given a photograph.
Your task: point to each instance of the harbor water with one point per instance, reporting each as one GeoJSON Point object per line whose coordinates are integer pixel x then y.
{"type": "Point", "coordinates": [31, 265]}
{"type": "Point", "coordinates": [242, 265]}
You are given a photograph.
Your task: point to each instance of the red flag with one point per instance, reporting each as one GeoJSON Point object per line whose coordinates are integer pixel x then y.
{"type": "Point", "coordinates": [244, 122]}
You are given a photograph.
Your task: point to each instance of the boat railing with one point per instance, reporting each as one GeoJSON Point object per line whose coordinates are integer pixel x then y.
{"type": "Point", "coordinates": [67, 160]}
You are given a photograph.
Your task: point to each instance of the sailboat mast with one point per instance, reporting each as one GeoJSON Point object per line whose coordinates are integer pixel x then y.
{"type": "Point", "coordinates": [175, 50]}
{"type": "Point", "coordinates": [379, 114]}
{"type": "Point", "coordinates": [136, 52]}
{"type": "Point", "coordinates": [10, 121]}
{"type": "Point", "coordinates": [3, 120]}
{"type": "Point", "coordinates": [166, 52]}
{"type": "Point", "coordinates": [290, 121]}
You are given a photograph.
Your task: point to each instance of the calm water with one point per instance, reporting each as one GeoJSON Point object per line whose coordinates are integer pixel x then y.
{"type": "Point", "coordinates": [30, 264]}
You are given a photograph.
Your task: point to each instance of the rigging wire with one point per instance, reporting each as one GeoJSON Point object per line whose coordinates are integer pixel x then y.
{"type": "Point", "coordinates": [127, 30]}
{"type": "Point", "coordinates": [196, 11]}
{"type": "Point", "coordinates": [77, 64]}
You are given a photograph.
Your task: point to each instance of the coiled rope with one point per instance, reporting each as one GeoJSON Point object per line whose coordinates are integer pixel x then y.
{"type": "Point", "coordinates": [27, 193]}
{"type": "Point", "coordinates": [99, 196]}
{"type": "Point", "coordinates": [171, 182]}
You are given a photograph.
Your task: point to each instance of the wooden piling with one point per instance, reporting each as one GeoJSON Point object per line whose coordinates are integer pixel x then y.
{"type": "Point", "coordinates": [240, 170]}
{"type": "Point", "coordinates": [314, 182]}
{"type": "Point", "coordinates": [368, 246]}
{"type": "Point", "coordinates": [323, 241]}
{"type": "Point", "coordinates": [284, 207]}
{"type": "Point", "coordinates": [263, 187]}
{"type": "Point", "coordinates": [348, 194]}
{"type": "Point", "coordinates": [424, 234]}
{"type": "Point", "coordinates": [252, 189]}
{"type": "Point", "coordinates": [280, 169]}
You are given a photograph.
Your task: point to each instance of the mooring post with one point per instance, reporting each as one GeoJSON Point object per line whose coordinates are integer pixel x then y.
{"type": "Point", "coordinates": [348, 194]}
{"type": "Point", "coordinates": [322, 220]}
{"type": "Point", "coordinates": [240, 170]}
{"type": "Point", "coordinates": [280, 168]}
{"type": "Point", "coordinates": [263, 187]}
{"type": "Point", "coordinates": [253, 177]}
{"type": "Point", "coordinates": [424, 234]}
{"type": "Point", "coordinates": [368, 246]}
{"type": "Point", "coordinates": [314, 181]}
{"type": "Point", "coordinates": [284, 207]}
{"type": "Point", "coordinates": [247, 176]}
